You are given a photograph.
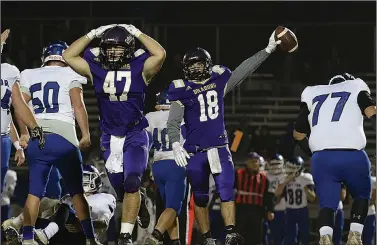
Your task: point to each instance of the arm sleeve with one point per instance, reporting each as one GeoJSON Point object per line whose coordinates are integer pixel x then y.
{"type": "Point", "coordinates": [174, 121]}
{"type": "Point", "coordinates": [364, 100]}
{"type": "Point", "coordinates": [302, 122]}
{"type": "Point", "coordinates": [245, 69]}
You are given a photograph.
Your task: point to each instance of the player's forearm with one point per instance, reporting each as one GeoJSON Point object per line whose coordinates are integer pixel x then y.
{"type": "Point", "coordinates": [153, 47]}
{"type": "Point", "coordinates": [13, 133]}
{"type": "Point", "coordinates": [21, 125]}
{"type": "Point", "coordinates": [82, 119]}
{"type": "Point", "coordinates": [76, 48]}
{"type": "Point", "coordinates": [245, 69]}
{"type": "Point", "coordinates": [26, 116]}
{"type": "Point", "coordinates": [174, 121]}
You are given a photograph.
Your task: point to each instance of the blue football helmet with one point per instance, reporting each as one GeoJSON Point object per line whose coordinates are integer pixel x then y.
{"type": "Point", "coordinates": [117, 47]}
{"type": "Point", "coordinates": [197, 65]}
{"type": "Point", "coordinates": [54, 52]}
{"type": "Point", "coordinates": [91, 179]}
{"type": "Point", "coordinates": [162, 101]}
{"type": "Point", "coordinates": [294, 164]}
{"type": "Point", "coordinates": [275, 165]}
{"type": "Point", "coordinates": [341, 78]}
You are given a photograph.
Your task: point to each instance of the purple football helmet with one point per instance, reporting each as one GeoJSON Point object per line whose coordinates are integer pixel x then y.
{"type": "Point", "coordinates": [117, 47]}
{"type": "Point", "coordinates": [197, 64]}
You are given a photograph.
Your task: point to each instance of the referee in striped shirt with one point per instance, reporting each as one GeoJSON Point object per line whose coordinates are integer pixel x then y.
{"type": "Point", "coordinates": [253, 201]}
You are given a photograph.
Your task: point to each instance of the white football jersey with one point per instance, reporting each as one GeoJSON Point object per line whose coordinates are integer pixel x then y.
{"type": "Point", "coordinates": [295, 194]}
{"type": "Point", "coordinates": [9, 75]}
{"type": "Point", "coordinates": [158, 129]}
{"type": "Point", "coordinates": [372, 208]}
{"type": "Point", "coordinates": [335, 118]}
{"type": "Point", "coordinates": [274, 181]}
{"type": "Point", "coordinates": [49, 88]}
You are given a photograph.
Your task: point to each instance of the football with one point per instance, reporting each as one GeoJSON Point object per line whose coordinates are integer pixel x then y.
{"type": "Point", "coordinates": [288, 39]}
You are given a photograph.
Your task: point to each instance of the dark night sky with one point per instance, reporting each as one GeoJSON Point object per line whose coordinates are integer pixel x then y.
{"type": "Point", "coordinates": [201, 12]}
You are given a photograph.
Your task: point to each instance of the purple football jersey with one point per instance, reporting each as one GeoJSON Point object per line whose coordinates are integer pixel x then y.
{"type": "Point", "coordinates": [204, 109]}
{"type": "Point", "coordinates": [120, 94]}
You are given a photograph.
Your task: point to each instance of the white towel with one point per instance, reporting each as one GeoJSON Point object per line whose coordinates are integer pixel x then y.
{"type": "Point", "coordinates": [114, 163]}
{"type": "Point", "coordinates": [214, 160]}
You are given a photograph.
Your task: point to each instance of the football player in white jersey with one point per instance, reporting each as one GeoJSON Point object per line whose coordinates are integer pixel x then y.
{"type": "Point", "coordinates": [276, 176]}
{"type": "Point", "coordinates": [59, 226]}
{"type": "Point", "coordinates": [370, 222]}
{"type": "Point", "coordinates": [298, 192]}
{"type": "Point", "coordinates": [168, 176]}
{"type": "Point", "coordinates": [11, 94]}
{"type": "Point", "coordinates": [55, 91]}
{"type": "Point", "coordinates": [334, 114]}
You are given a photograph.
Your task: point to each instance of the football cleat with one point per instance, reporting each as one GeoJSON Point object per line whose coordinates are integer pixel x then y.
{"type": "Point", "coordinates": [354, 238]}
{"type": "Point", "coordinates": [151, 240]}
{"type": "Point", "coordinates": [125, 239]}
{"type": "Point", "coordinates": [40, 237]}
{"type": "Point", "coordinates": [209, 241]}
{"type": "Point", "coordinates": [325, 240]}
{"type": "Point", "coordinates": [143, 218]}
{"type": "Point", "coordinates": [234, 239]}
{"type": "Point", "coordinates": [12, 236]}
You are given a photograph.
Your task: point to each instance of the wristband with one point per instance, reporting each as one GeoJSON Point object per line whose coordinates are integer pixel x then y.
{"type": "Point", "coordinates": [91, 35]}
{"type": "Point", "coordinates": [17, 145]}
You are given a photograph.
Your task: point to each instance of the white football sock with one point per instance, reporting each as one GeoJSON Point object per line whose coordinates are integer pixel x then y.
{"type": "Point", "coordinates": [325, 230]}
{"type": "Point", "coordinates": [126, 228]}
{"type": "Point", "coordinates": [51, 230]}
{"type": "Point", "coordinates": [356, 227]}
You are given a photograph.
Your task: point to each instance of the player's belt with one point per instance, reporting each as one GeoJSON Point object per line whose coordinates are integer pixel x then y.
{"type": "Point", "coordinates": [337, 149]}
{"type": "Point", "coordinates": [198, 149]}
{"type": "Point", "coordinates": [4, 134]}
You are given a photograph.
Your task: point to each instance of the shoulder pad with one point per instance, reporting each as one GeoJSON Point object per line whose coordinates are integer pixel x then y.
{"type": "Point", "coordinates": [178, 83]}
{"type": "Point", "coordinates": [139, 52]}
{"type": "Point", "coordinates": [95, 51]}
{"type": "Point", "coordinates": [76, 76]}
{"type": "Point", "coordinates": [362, 85]}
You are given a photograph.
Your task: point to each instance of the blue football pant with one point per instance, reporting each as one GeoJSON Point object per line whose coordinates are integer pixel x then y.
{"type": "Point", "coordinates": [297, 226]}
{"type": "Point", "coordinates": [330, 168]}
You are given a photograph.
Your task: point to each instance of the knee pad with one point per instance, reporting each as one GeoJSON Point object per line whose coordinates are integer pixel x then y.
{"type": "Point", "coordinates": [132, 184]}
{"type": "Point", "coordinates": [326, 217]}
{"type": "Point", "coordinates": [359, 211]}
{"type": "Point", "coordinates": [201, 199]}
{"type": "Point", "coordinates": [226, 193]}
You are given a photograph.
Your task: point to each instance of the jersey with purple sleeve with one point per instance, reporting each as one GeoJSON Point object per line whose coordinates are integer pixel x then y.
{"type": "Point", "coordinates": [120, 94]}
{"type": "Point", "coordinates": [203, 104]}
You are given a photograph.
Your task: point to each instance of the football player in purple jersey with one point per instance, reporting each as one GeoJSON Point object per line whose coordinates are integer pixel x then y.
{"type": "Point", "coordinates": [199, 99]}
{"type": "Point", "coordinates": [120, 76]}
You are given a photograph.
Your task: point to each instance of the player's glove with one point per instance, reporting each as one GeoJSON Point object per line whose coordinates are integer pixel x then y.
{"type": "Point", "coordinates": [97, 33]}
{"type": "Point", "coordinates": [180, 154]}
{"type": "Point", "coordinates": [272, 43]}
{"type": "Point", "coordinates": [37, 133]}
{"type": "Point", "coordinates": [132, 30]}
